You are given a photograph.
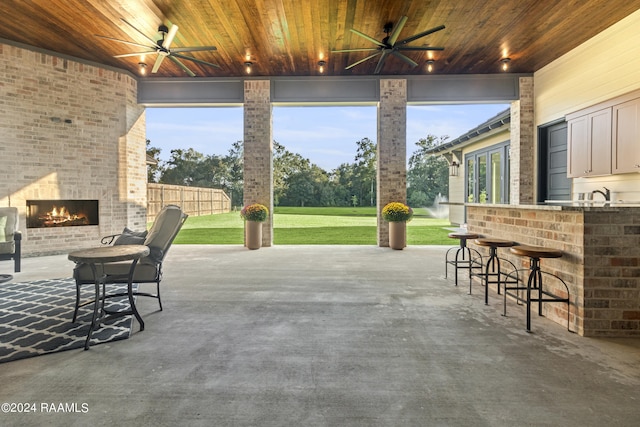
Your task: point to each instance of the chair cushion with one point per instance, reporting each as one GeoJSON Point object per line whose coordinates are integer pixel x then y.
{"type": "Point", "coordinates": [163, 231]}
{"type": "Point", "coordinates": [129, 237]}
{"type": "Point", "coordinates": [10, 215]}
{"type": "Point", "coordinates": [3, 224]}
{"type": "Point", "coordinates": [144, 272]}
{"type": "Point", "coordinates": [7, 247]}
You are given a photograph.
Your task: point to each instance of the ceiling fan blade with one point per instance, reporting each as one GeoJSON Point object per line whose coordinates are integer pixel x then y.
{"type": "Point", "coordinates": [365, 49]}
{"type": "Point", "coordinates": [153, 42]}
{"type": "Point", "coordinates": [181, 65]}
{"type": "Point", "coordinates": [418, 48]}
{"type": "Point", "coordinates": [383, 58]}
{"type": "Point", "coordinates": [422, 34]}
{"type": "Point", "coordinates": [362, 60]}
{"type": "Point", "coordinates": [172, 33]}
{"type": "Point", "coordinates": [126, 42]}
{"type": "Point", "coordinates": [195, 60]}
{"type": "Point", "coordinates": [193, 49]}
{"type": "Point", "coordinates": [124, 55]}
{"type": "Point", "coordinates": [405, 59]}
{"type": "Point", "coordinates": [396, 30]}
{"type": "Point", "coordinates": [371, 39]}
{"type": "Point", "coordinates": [156, 65]}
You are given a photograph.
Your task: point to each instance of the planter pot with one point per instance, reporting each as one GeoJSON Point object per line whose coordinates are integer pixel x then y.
{"type": "Point", "coordinates": [397, 235]}
{"type": "Point", "coordinates": [253, 234]}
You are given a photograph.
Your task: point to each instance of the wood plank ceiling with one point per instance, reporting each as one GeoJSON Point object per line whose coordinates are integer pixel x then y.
{"type": "Point", "coordinates": [290, 37]}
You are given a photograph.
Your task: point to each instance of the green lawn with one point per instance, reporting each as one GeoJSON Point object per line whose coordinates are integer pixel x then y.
{"type": "Point", "coordinates": [313, 226]}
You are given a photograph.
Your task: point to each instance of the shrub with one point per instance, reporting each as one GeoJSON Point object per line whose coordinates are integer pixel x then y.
{"type": "Point", "coordinates": [397, 212]}
{"type": "Point", "coordinates": [254, 212]}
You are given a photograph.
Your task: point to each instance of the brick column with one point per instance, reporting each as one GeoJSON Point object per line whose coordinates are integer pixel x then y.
{"type": "Point", "coordinates": [392, 149]}
{"type": "Point", "coordinates": [132, 157]}
{"type": "Point", "coordinates": [522, 190]}
{"type": "Point", "coordinates": [258, 144]}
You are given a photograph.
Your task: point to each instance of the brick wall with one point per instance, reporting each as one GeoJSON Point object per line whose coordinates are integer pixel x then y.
{"type": "Point", "coordinates": [522, 145]}
{"type": "Point", "coordinates": [612, 271]}
{"type": "Point", "coordinates": [69, 130]}
{"type": "Point", "coordinates": [392, 149]}
{"type": "Point", "coordinates": [600, 263]}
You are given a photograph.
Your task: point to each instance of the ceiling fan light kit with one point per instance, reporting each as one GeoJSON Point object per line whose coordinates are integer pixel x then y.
{"type": "Point", "coordinates": [163, 49]}
{"type": "Point", "coordinates": [430, 65]}
{"type": "Point", "coordinates": [390, 45]}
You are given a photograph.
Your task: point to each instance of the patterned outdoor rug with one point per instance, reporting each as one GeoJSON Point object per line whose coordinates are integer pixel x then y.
{"type": "Point", "coordinates": [35, 318]}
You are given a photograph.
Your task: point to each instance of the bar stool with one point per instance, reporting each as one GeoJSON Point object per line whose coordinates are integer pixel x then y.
{"type": "Point", "coordinates": [491, 272]}
{"type": "Point", "coordinates": [462, 259]}
{"type": "Point", "coordinates": [534, 282]}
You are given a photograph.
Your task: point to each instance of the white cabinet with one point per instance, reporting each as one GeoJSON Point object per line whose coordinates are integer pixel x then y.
{"type": "Point", "coordinates": [605, 139]}
{"type": "Point", "coordinates": [589, 144]}
{"type": "Point", "coordinates": [626, 137]}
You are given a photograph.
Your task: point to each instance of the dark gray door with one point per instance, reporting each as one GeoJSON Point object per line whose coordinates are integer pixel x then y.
{"type": "Point", "coordinates": [558, 185]}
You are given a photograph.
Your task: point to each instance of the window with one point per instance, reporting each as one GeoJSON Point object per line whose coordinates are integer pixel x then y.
{"type": "Point", "coordinates": [487, 172]}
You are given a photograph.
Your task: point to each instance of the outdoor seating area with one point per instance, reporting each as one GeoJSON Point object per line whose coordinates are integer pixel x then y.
{"type": "Point", "coordinates": [524, 286]}
{"type": "Point", "coordinates": [326, 335]}
{"type": "Point", "coordinates": [134, 257]}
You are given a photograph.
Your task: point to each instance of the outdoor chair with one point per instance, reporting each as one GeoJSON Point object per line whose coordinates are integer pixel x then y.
{"type": "Point", "coordinates": [149, 269]}
{"type": "Point", "coordinates": [10, 236]}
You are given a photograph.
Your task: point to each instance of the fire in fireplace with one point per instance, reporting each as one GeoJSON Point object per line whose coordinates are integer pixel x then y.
{"type": "Point", "coordinates": [61, 213]}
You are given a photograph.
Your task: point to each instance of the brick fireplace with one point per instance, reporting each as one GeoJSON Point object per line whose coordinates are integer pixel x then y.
{"type": "Point", "coordinates": [71, 132]}
{"type": "Point", "coordinates": [62, 213]}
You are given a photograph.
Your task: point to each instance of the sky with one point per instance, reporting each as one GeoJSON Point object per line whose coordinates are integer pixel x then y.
{"type": "Point", "coordinates": [327, 136]}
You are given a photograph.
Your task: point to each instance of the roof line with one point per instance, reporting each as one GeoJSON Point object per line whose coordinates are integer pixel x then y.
{"type": "Point", "coordinates": [495, 122]}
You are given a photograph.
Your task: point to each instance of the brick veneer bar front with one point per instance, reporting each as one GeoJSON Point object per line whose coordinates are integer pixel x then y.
{"type": "Point", "coordinates": [601, 261]}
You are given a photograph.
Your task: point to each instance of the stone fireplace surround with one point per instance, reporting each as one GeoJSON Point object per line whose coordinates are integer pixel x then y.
{"type": "Point", "coordinates": [70, 130]}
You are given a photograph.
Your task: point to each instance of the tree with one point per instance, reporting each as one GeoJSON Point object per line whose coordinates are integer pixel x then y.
{"type": "Point", "coordinates": [183, 168]}
{"type": "Point", "coordinates": [365, 170]}
{"type": "Point", "coordinates": [300, 190]}
{"type": "Point", "coordinates": [234, 163]}
{"type": "Point", "coordinates": [286, 165]}
{"type": "Point", "coordinates": [153, 170]}
{"type": "Point", "coordinates": [342, 180]}
{"type": "Point", "coordinates": [427, 174]}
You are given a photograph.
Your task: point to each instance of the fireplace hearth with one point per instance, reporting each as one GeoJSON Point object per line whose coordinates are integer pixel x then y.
{"type": "Point", "coordinates": [61, 213]}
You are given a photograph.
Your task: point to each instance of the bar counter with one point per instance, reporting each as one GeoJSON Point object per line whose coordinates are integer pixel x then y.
{"type": "Point", "coordinates": [600, 263]}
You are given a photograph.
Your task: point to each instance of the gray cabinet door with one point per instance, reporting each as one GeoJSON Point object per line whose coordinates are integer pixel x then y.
{"type": "Point", "coordinates": [558, 184]}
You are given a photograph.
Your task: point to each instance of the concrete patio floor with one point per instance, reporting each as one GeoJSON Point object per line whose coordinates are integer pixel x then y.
{"type": "Point", "coordinates": [326, 336]}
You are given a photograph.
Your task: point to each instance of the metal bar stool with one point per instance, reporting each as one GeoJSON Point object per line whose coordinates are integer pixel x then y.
{"type": "Point", "coordinates": [463, 253]}
{"type": "Point", "coordinates": [534, 282]}
{"type": "Point", "coordinates": [491, 272]}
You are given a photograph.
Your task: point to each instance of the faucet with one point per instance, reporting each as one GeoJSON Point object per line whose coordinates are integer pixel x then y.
{"type": "Point", "coordinates": [606, 193]}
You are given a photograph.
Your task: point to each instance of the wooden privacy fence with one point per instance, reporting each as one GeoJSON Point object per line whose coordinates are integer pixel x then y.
{"type": "Point", "coordinates": [194, 201]}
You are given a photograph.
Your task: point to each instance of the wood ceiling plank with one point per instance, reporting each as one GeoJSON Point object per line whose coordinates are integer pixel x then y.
{"type": "Point", "coordinates": [285, 37]}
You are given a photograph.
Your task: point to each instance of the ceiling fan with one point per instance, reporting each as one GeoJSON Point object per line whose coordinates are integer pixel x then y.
{"type": "Point", "coordinates": [162, 48]}
{"type": "Point", "coordinates": [390, 45]}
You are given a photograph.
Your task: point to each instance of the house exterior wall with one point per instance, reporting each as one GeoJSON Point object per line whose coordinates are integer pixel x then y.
{"type": "Point", "coordinates": [457, 194]}
{"type": "Point", "coordinates": [600, 69]}
{"type": "Point", "coordinates": [69, 130]}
